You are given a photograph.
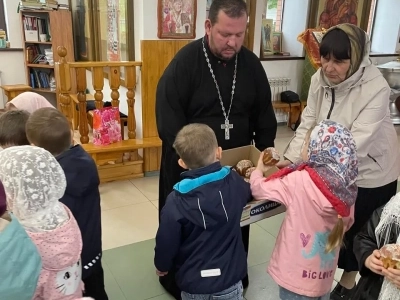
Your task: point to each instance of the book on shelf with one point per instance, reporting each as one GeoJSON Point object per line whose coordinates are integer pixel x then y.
{"type": "Point", "coordinates": [36, 55]}
{"type": "Point", "coordinates": [34, 27]}
{"type": "Point", "coordinates": [40, 79]}
{"type": "Point", "coordinates": [41, 5]}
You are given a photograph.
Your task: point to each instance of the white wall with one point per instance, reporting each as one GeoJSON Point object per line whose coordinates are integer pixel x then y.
{"type": "Point", "coordinates": [145, 16]}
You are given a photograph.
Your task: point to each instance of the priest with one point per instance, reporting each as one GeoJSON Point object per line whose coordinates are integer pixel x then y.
{"type": "Point", "coordinates": [214, 81]}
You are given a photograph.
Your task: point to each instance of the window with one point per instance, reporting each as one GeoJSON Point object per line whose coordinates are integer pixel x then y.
{"type": "Point", "coordinates": [271, 28]}
{"type": "Point", "coordinates": [273, 10]}
{"type": "Point", "coordinates": [114, 30]}
{"type": "Point", "coordinates": [103, 30]}
{"type": "Point", "coordinates": [3, 24]}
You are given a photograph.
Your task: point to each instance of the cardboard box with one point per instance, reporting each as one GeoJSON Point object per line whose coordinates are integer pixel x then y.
{"type": "Point", "coordinates": [255, 210]}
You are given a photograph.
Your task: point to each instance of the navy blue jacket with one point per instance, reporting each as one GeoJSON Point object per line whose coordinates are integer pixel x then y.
{"type": "Point", "coordinates": [200, 230]}
{"type": "Point", "coordinates": [82, 197]}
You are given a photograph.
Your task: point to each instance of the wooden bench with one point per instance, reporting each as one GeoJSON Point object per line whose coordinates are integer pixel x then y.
{"type": "Point", "coordinates": [110, 158]}
{"type": "Point", "coordinates": [294, 110]}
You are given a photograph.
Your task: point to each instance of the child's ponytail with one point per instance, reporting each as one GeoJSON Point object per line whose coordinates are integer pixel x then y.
{"type": "Point", "coordinates": [335, 238]}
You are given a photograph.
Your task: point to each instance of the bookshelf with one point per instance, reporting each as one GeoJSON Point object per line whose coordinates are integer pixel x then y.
{"type": "Point", "coordinates": [43, 32]}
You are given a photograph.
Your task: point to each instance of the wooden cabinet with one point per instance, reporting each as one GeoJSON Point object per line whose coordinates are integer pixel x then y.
{"type": "Point", "coordinates": [43, 31]}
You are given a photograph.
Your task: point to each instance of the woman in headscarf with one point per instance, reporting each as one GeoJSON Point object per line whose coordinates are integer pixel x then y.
{"type": "Point", "coordinates": [28, 101]}
{"type": "Point", "coordinates": [350, 90]}
{"type": "Point", "coordinates": [34, 182]}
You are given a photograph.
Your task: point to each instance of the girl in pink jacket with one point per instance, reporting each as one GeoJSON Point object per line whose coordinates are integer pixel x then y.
{"type": "Point", "coordinates": [34, 182]}
{"type": "Point", "coordinates": [319, 194]}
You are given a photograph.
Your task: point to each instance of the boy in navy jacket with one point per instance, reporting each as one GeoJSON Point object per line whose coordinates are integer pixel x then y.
{"type": "Point", "coordinates": [48, 128]}
{"type": "Point", "coordinates": [199, 234]}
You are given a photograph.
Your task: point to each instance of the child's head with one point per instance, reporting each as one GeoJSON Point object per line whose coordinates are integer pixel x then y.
{"type": "Point", "coordinates": [28, 101]}
{"type": "Point", "coordinates": [12, 128]}
{"type": "Point", "coordinates": [197, 146]}
{"type": "Point", "coordinates": [34, 182]}
{"type": "Point", "coordinates": [48, 128]}
{"type": "Point", "coordinates": [332, 153]}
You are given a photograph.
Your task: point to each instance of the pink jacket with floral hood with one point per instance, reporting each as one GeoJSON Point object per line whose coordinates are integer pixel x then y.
{"type": "Point", "coordinates": [314, 192]}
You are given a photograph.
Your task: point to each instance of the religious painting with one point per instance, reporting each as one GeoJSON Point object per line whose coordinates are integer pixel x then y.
{"type": "Point", "coordinates": [329, 13]}
{"type": "Point", "coordinates": [277, 42]}
{"type": "Point", "coordinates": [177, 19]}
{"type": "Point", "coordinates": [266, 37]}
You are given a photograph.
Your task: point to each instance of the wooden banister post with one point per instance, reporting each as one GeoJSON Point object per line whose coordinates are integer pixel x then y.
{"type": "Point", "coordinates": [63, 79]}
{"type": "Point", "coordinates": [81, 89]}
{"type": "Point", "coordinates": [115, 78]}
{"type": "Point", "coordinates": [98, 84]}
{"type": "Point", "coordinates": [130, 83]}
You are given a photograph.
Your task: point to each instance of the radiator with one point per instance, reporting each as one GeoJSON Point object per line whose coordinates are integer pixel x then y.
{"type": "Point", "coordinates": [278, 85]}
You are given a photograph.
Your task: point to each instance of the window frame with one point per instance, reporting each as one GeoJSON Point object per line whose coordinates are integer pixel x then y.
{"type": "Point", "coordinates": [3, 19]}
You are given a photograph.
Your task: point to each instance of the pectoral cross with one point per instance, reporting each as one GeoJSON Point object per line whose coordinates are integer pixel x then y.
{"type": "Point", "coordinates": [227, 127]}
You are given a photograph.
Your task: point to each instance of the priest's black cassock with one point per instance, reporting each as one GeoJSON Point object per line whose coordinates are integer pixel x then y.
{"type": "Point", "coordinates": [187, 93]}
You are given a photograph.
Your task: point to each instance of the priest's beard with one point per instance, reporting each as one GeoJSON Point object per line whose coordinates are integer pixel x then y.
{"type": "Point", "coordinates": [219, 52]}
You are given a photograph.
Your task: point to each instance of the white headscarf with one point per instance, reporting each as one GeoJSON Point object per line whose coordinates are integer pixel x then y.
{"type": "Point", "coordinates": [389, 226]}
{"type": "Point", "coordinates": [34, 182]}
{"type": "Point", "coordinates": [30, 102]}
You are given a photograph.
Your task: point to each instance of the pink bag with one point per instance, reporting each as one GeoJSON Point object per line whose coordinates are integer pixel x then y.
{"type": "Point", "coordinates": [106, 126]}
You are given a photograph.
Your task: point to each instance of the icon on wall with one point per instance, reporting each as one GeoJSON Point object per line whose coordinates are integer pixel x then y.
{"type": "Point", "coordinates": [177, 19]}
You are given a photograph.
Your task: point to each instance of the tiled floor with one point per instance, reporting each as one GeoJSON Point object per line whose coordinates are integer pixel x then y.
{"type": "Point", "coordinates": [130, 221]}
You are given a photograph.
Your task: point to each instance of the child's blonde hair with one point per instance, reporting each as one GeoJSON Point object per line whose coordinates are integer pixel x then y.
{"type": "Point", "coordinates": [335, 238]}
{"type": "Point", "coordinates": [196, 145]}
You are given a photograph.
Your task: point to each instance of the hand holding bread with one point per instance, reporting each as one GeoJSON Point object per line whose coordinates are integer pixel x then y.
{"type": "Point", "coordinates": [268, 158]}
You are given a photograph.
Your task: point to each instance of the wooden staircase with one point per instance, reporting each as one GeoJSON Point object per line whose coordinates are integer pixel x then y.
{"type": "Point", "coordinates": [120, 160]}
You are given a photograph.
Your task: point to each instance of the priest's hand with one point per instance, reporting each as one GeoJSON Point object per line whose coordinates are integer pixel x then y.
{"type": "Point", "coordinates": [161, 274]}
{"type": "Point", "coordinates": [284, 163]}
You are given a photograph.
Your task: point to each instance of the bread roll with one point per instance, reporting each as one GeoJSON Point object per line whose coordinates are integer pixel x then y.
{"type": "Point", "coordinates": [248, 172]}
{"type": "Point", "coordinates": [390, 256]}
{"type": "Point", "coordinates": [242, 166]}
{"type": "Point", "coordinates": [271, 157]}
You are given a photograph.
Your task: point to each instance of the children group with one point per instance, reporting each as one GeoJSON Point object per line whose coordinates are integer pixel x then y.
{"type": "Point", "coordinates": [199, 236]}
{"type": "Point", "coordinates": [50, 217]}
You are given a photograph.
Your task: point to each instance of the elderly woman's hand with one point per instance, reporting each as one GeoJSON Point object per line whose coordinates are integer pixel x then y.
{"type": "Point", "coordinates": [393, 276]}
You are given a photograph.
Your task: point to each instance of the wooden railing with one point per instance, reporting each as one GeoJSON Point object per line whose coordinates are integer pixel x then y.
{"type": "Point", "coordinates": [63, 77]}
